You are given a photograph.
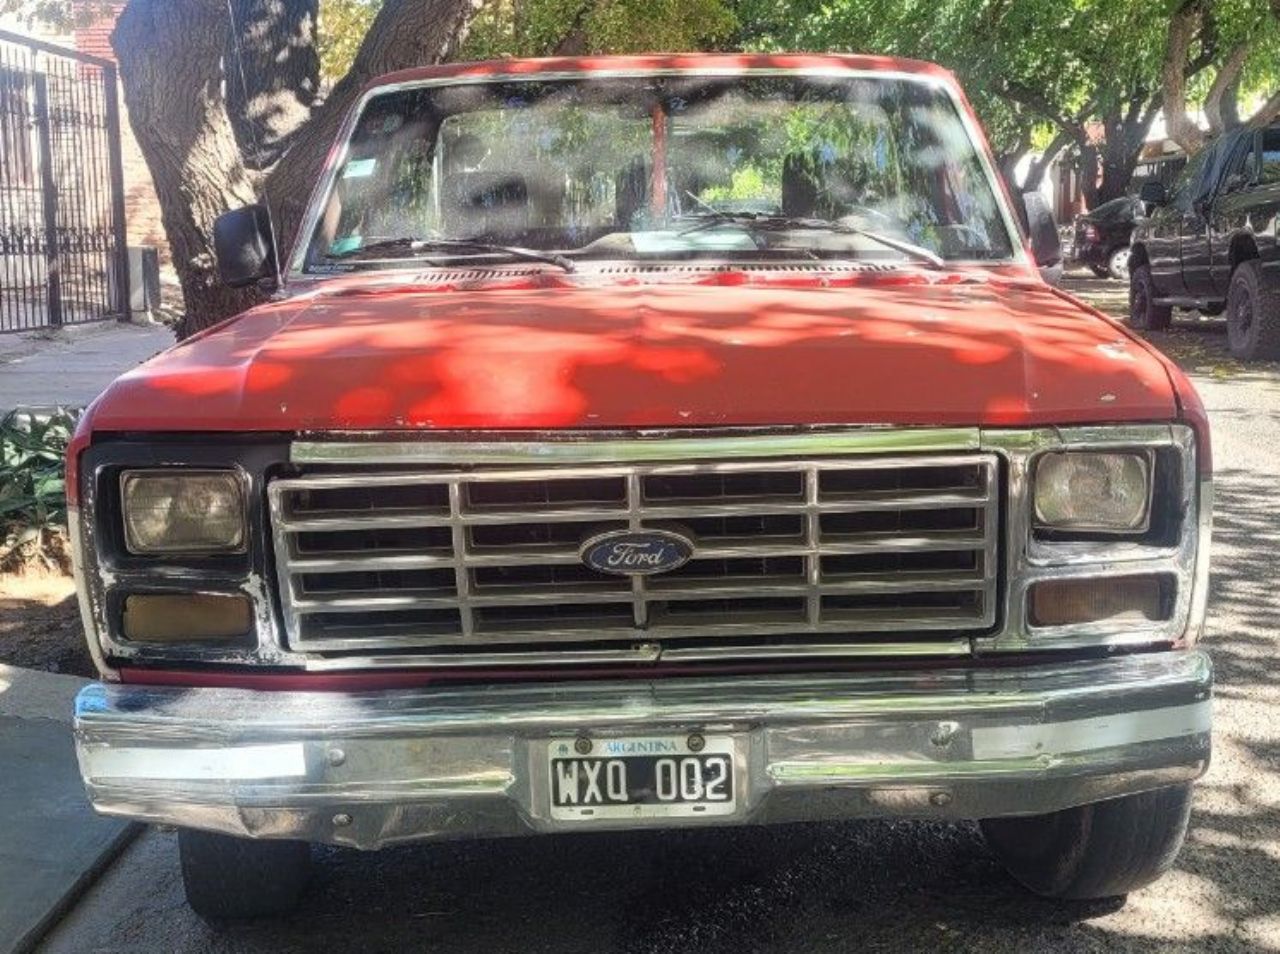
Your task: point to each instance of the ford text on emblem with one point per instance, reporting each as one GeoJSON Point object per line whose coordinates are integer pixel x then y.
{"type": "Point", "coordinates": [637, 552]}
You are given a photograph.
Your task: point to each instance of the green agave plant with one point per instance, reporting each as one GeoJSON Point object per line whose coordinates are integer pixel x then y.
{"type": "Point", "coordinates": [33, 446]}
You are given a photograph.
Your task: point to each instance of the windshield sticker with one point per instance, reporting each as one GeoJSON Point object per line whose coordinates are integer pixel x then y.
{"type": "Point", "coordinates": [359, 168]}
{"type": "Point", "coordinates": [726, 240]}
{"type": "Point", "coordinates": [348, 243]}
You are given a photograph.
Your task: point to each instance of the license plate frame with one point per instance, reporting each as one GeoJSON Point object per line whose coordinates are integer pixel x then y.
{"type": "Point", "coordinates": [651, 765]}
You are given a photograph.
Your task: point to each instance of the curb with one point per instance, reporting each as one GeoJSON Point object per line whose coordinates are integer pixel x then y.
{"type": "Point", "coordinates": [53, 846]}
{"type": "Point", "coordinates": [63, 905]}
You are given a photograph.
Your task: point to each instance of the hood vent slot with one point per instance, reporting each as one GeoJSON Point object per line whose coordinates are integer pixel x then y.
{"type": "Point", "coordinates": [656, 270]}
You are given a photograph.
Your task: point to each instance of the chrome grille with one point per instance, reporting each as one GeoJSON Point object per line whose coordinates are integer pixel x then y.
{"type": "Point", "coordinates": [470, 559]}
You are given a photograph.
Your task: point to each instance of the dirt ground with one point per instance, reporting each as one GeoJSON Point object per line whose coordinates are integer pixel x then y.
{"type": "Point", "coordinates": [40, 624]}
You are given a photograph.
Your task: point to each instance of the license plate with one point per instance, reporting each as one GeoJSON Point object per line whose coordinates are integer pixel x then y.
{"type": "Point", "coordinates": [643, 777]}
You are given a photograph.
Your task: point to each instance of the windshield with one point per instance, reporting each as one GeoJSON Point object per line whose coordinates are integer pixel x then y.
{"type": "Point", "coordinates": [743, 167]}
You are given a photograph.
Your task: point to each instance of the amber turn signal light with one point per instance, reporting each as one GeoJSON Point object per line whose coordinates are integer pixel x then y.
{"type": "Point", "coordinates": [1118, 599]}
{"type": "Point", "coordinates": [187, 617]}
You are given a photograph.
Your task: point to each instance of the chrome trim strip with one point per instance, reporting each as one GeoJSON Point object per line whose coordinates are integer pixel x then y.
{"type": "Point", "coordinates": [85, 595]}
{"type": "Point", "coordinates": [868, 649]}
{"type": "Point", "coordinates": [240, 762]}
{"type": "Point", "coordinates": [651, 652]}
{"type": "Point", "coordinates": [622, 655]}
{"type": "Point", "coordinates": [584, 447]}
{"type": "Point", "coordinates": [1076, 735]}
{"type": "Point", "coordinates": [448, 762]}
{"type": "Point", "coordinates": [1200, 581]}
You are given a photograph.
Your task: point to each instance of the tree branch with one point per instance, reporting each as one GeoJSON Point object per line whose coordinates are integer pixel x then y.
{"type": "Point", "coordinates": [1268, 112]}
{"type": "Point", "coordinates": [1037, 103]}
{"type": "Point", "coordinates": [1227, 80]}
{"type": "Point", "coordinates": [1182, 30]}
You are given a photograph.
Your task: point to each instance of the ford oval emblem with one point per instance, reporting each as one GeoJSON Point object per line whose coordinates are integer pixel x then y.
{"type": "Point", "coordinates": [637, 552]}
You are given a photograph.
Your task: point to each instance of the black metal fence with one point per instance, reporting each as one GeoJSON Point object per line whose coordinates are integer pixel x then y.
{"type": "Point", "coordinates": [63, 250]}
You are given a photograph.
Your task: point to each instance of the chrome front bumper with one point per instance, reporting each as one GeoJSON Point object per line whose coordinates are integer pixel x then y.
{"type": "Point", "coordinates": [372, 769]}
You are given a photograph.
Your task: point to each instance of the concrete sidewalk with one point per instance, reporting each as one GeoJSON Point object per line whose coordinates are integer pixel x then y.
{"type": "Point", "coordinates": [71, 366]}
{"type": "Point", "coordinates": [52, 845]}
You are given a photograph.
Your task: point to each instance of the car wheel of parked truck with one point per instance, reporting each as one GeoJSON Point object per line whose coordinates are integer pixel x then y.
{"type": "Point", "coordinates": [228, 879]}
{"type": "Point", "coordinates": [1118, 263]}
{"type": "Point", "coordinates": [671, 507]}
{"type": "Point", "coordinates": [1253, 313]}
{"type": "Point", "coordinates": [1144, 313]}
{"type": "Point", "coordinates": [1098, 850]}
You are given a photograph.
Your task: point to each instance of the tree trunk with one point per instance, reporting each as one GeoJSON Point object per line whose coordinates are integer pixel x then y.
{"type": "Point", "coordinates": [184, 113]}
{"type": "Point", "coordinates": [1182, 31]}
{"type": "Point", "coordinates": [1117, 173]}
{"type": "Point", "coordinates": [273, 74]}
{"type": "Point", "coordinates": [1119, 154]}
{"type": "Point", "coordinates": [1220, 101]}
{"type": "Point", "coordinates": [171, 55]}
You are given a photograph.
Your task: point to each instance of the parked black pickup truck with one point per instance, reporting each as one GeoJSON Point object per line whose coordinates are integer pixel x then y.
{"type": "Point", "coordinates": [1210, 243]}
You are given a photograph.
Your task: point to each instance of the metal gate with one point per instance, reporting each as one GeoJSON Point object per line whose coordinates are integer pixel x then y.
{"type": "Point", "coordinates": [63, 250]}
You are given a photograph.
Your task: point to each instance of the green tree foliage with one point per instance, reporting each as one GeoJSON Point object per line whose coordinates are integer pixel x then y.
{"type": "Point", "coordinates": [1032, 67]}
{"type": "Point", "coordinates": [548, 27]}
{"type": "Point", "coordinates": [1041, 72]}
{"type": "Point", "coordinates": [55, 15]}
{"type": "Point", "coordinates": [343, 25]}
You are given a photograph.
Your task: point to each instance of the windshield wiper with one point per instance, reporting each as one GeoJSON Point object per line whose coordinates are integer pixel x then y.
{"type": "Point", "coordinates": [761, 222]}
{"type": "Point", "coordinates": [413, 246]}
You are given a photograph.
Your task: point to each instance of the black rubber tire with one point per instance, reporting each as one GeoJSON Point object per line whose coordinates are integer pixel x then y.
{"type": "Point", "coordinates": [1144, 313]}
{"type": "Point", "coordinates": [1099, 270]}
{"type": "Point", "coordinates": [1099, 850]}
{"type": "Point", "coordinates": [1253, 314]}
{"type": "Point", "coordinates": [228, 879]}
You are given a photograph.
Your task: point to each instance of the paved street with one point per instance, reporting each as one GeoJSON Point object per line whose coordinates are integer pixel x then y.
{"type": "Point", "coordinates": [70, 366]}
{"type": "Point", "coordinates": [866, 886]}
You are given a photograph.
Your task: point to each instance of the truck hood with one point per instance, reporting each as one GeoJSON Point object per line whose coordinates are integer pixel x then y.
{"type": "Point", "coordinates": [900, 349]}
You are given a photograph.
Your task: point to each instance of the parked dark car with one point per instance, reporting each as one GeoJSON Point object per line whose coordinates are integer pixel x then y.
{"type": "Point", "coordinates": [1210, 243]}
{"type": "Point", "coordinates": [1102, 237]}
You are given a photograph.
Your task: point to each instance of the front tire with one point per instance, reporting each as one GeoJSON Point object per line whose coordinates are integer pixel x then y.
{"type": "Point", "coordinates": [1099, 850]}
{"type": "Point", "coordinates": [1253, 314]}
{"type": "Point", "coordinates": [1144, 313]}
{"type": "Point", "coordinates": [228, 879]}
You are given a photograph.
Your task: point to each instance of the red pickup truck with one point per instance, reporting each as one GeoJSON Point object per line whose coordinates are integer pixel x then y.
{"type": "Point", "coordinates": [641, 443]}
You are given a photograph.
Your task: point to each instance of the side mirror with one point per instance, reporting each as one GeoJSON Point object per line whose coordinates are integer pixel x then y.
{"type": "Point", "coordinates": [244, 246]}
{"type": "Point", "coordinates": [1046, 246]}
{"type": "Point", "coordinates": [1153, 193]}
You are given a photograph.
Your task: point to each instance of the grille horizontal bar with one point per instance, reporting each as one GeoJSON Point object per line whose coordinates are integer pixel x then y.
{"type": "Point", "coordinates": [465, 560]}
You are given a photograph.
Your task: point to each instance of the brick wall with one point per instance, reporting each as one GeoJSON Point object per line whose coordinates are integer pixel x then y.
{"type": "Point", "coordinates": [142, 209]}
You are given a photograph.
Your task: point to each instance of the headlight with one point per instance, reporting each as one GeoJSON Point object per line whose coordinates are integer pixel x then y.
{"type": "Point", "coordinates": [170, 511]}
{"type": "Point", "coordinates": [1077, 490]}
